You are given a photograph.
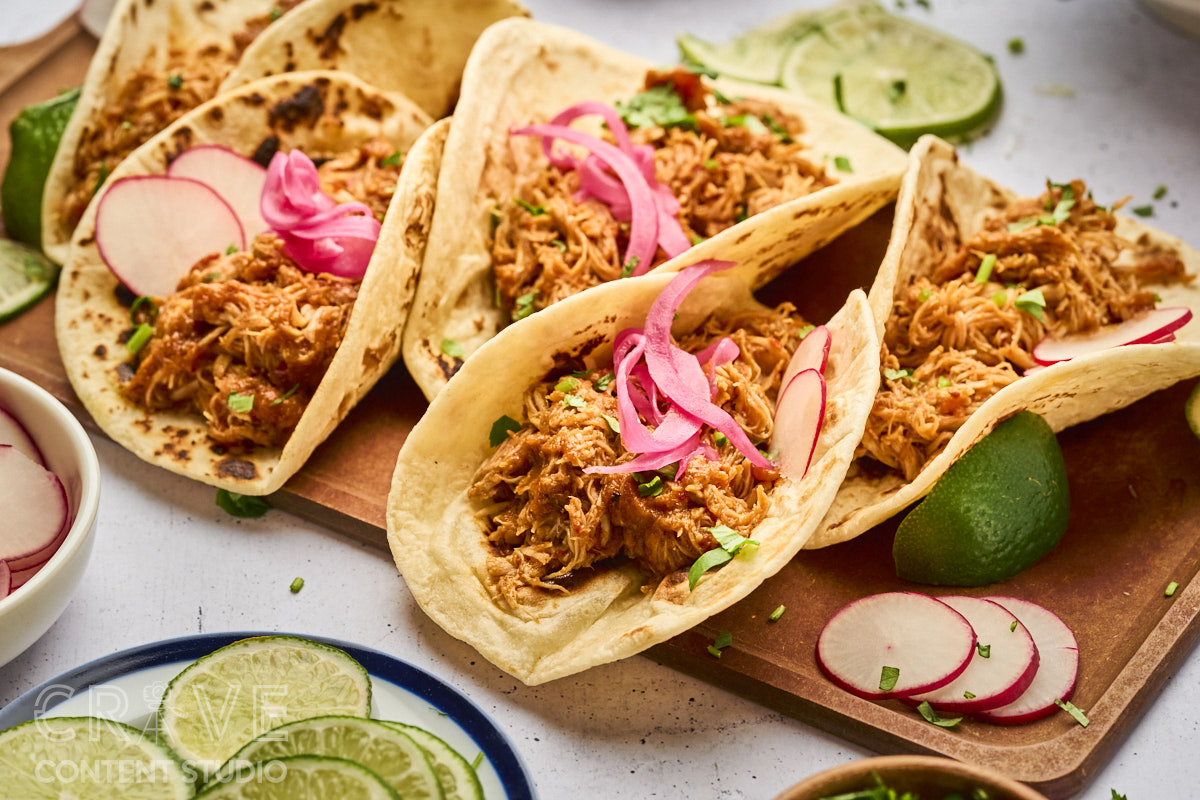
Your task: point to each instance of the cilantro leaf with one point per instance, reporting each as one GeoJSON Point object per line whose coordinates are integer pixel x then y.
{"type": "Point", "coordinates": [285, 395]}
{"type": "Point", "coordinates": [652, 488]}
{"type": "Point", "coordinates": [393, 159]}
{"type": "Point", "coordinates": [240, 403]}
{"type": "Point", "coordinates": [573, 401]}
{"type": "Point", "coordinates": [566, 385]}
{"type": "Point", "coordinates": [842, 163]}
{"type": "Point", "coordinates": [1143, 211]}
{"type": "Point", "coordinates": [524, 305]}
{"type": "Point", "coordinates": [242, 505]}
{"type": "Point", "coordinates": [501, 429]}
{"type": "Point", "coordinates": [1074, 711]}
{"type": "Point", "coordinates": [534, 211]}
{"type": "Point", "coordinates": [613, 424]}
{"type": "Point", "coordinates": [453, 348]}
{"type": "Point", "coordinates": [659, 106]}
{"type": "Point", "coordinates": [931, 716]}
{"type": "Point", "coordinates": [1032, 303]}
{"type": "Point", "coordinates": [888, 677]}
{"type": "Point", "coordinates": [730, 540]}
{"type": "Point", "coordinates": [604, 381]}
{"type": "Point", "coordinates": [630, 266]}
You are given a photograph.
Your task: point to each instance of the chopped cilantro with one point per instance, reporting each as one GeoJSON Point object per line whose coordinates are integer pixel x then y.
{"type": "Point", "coordinates": [501, 428]}
{"type": "Point", "coordinates": [896, 90]}
{"type": "Point", "coordinates": [659, 106]}
{"type": "Point", "coordinates": [573, 401]}
{"type": "Point", "coordinates": [453, 348]}
{"type": "Point", "coordinates": [1073, 710]}
{"type": "Point", "coordinates": [1022, 224]}
{"type": "Point", "coordinates": [141, 335]}
{"type": "Point", "coordinates": [210, 277]}
{"type": "Point", "coordinates": [297, 585]}
{"type": "Point", "coordinates": [888, 677]}
{"type": "Point", "coordinates": [138, 303]}
{"type": "Point", "coordinates": [524, 305]}
{"type": "Point", "coordinates": [613, 424]}
{"type": "Point", "coordinates": [604, 381]}
{"type": "Point", "coordinates": [711, 163]}
{"type": "Point", "coordinates": [1032, 303]}
{"type": "Point", "coordinates": [1000, 298]}
{"type": "Point", "coordinates": [730, 540]}
{"type": "Point", "coordinates": [720, 439]}
{"type": "Point", "coordinates": [1116, 796]}
{"type": "Point", "coordinates": [838, 99]}
{"type": "Point", "coordinates": [242, 505]}
{"type": "Point", "coordinates": [842, 163]}
{"type": "Point", "coordinates": [1013, 627]}
{"type": "Point", "coordinates": [925, 4]}
{"type": "Point", "coordinates": [534, 211]}
{"type": "Point", "coordinates": [560, 244]}
{"type": "Point", "coordinates": [776, 614]}
{"type": "Point", "coordinates": [985, 650]}
{"type": "Point", "coordinates": [774, 127]}
{"type": "Point", "coordinates": [898, 374]}
{"type": "Point", "coordinates": [231, 249]}
{"type": "Point", "coordinates": [805, 331]}
{"type": "Point", "coordinates": [741, 215]}
{"type": "Point", "coordinates": [393, 160]}
{"type": "Point", "coordinates": [697, 238]}
{"type": "Point", "coordinates": [275, 13]}
{"type": "Point", "coordinates": [630, 266]}
{"type": "Point", "coordinates": [968, 695]}
{"type": "Point", "coordinates": [931, 716]}
{"type": "Point", "coordinates": [1160, 192]}
{"type": "Point", "coordinates": [985, 268]}
{"type": "Point", "coordinates": [1016, 45]}
{"type": "Point", "coordinates": [651, 488]}
{"type": "Point", "coordinates": [730, 544]}
{"type": "Point", "coordinates": [1170, 590]}
{"type": "Point", "coordinates": [1062, 210]}
{"type": "Point", "coordinates": [175, 81]}
{"type": "Point", "coordinates": [285, 395]}
{"type": "Point", "coordinates": [704, 563]}
{"type": "Point", "coordinates": [475, 762]}
{"type": "Point", "coordinates": [101, 177]}
{"type": "Point", "coordinates": [723, 640]}
{"type": "Point", "coordinates": [943, 382]}
{"type": "Point", "coordinates": [713, 651]}
{"type": "Point", "coordinates": [566, 385]}
{"type": "Point", "coordinates": [924, 295]}
{"type": "Point", "coordinates": [240, 403]}
{"type": "Point", "coordinates": [747, 121]}
{"type": "Point", "coordinates": [1143, 211]}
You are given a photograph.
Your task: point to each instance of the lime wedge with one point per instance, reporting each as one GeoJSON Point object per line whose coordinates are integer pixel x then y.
{"type": "Point", "coordinates": [389, 753]}
{"type": "Point", "coordinates": [85, 758]}
{"type": "Point", "coordinates": [901, 78]}
{"type": "Point", "coordinates": [454, 772]}
{"type": "Point", "coordinates": [35, 134]}
{"type": "Point", "coordinates": [237, 693]}
{"type": "Point", "coordinates": [26, 276]}
{"type": "Point", "coordinates": [303, 778]}
{"type": "Point", "coordinates": [756, 55]}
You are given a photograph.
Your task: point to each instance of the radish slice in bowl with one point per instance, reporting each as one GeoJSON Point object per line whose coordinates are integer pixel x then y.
{"type": "Point", "coordinates": [34, 508]}
{"type": "Point", "coordinates": [924, 641]}
{"type": "Point", "coordinates": [1057, 670]}
{"type": "Point", "coordinates": [798, 419]}
{"type": "Point", "coordinates": [993, 680]}
{"type": "Point", "coordinates": [13, 432]}
{"type": "Point", "coordinates": [5, 580]}
{"type": "Point", "coordinates": [1153, 327]}
{"type": "Point", "coordinates": [238, 180]}
{"type": "Point", "coordinates": [152, 229]}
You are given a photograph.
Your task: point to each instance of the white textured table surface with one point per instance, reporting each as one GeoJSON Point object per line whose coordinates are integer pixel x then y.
{"type": "Point", "coordinates": [168, 562]}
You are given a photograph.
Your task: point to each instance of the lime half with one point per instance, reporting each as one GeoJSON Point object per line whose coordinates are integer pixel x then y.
{"type": "Point", "coordinates": [85, 758]}
{"type": "Point", "coordinates": [303, 778]}
{"type": "Point", "coordinates": [35, 133]}
{"type": "Point", "coordinates": [237, 693]}
{"type": "Point", "coordinates": [998, 509]}
{"type": "Point", "coordinates": [454, 772]}
{"type": "Point", "coordinates": [757, 55]}
{"type": "Point", "coordinates": [899, 77]}
{"type": "Point", "coordinates": [389, 753]}
{"type": "Point", "coordinates": [26, 276]}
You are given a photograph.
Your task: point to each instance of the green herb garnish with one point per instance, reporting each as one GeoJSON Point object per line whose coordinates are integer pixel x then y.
{"type": "Point", "coordinates": [931, 716]}
{"type": "Point", "coordinates": [175, 81]}
{"type": "Point", "coordinates": [1160, 193]}
{"type": "Point", "coordinates": [697, 239]}
{"type": "Point", "coordinates": [501, 428]}
{"type": "Point", "coordinates": [242, 505]}
{"type": "Point", "coordinates": [143, 301]}
{"type": "Point", "coordinates": [1073, 710]}
{"type": "Point", "coordinates": [630, 266]}
{"type": "Point", "coordinates": [651, 488]}
{"type": "Point", "coordinates": [475, 762]}
{"type": "Point", "coordinates": [888, 677]}
{"type": "Point", "coordinates": [560, 244]}
{"type": "Point", "coordinates": [924, 295]}
{"type": "Point", "coordinates": [275, 13]}
{"type": "Point", "coordinates": [842, 163]}
{"type": "Point", "coordinates": [896, 90]}
{"type": "Point", "coordinates": [748, 121]}
{"type": "Point", "coordinates": [711, 163]}
{"type": "Point", "coordinates": [453, 348]}
{"type": "Point", "coordinates": [1170, 590]}
{"type": "Point", "coordinates": [1062, 209]}
{"type": "Point", "coordinates": [566, 385]}
{"type": "Point", "coordinates": [240, 403]}
{"type": "Point", "coordinates": [1013, 627]}
{"type": "Point", "coordinates": [1032, 303]}
{"type": "Point", "coordinates": [285, 395]}
{"type": "Point", "coordinates": [774, 127]}
{"type": "Point", "coordinates": [776, 614]}
{"type": "Point", "coordinates": [524, 305]}
{"type": "Point", "coordinates": [943, 382]}
{"type": "Point", "coordinates": [659, 106]}
{"type": "Point", "coordinates": [604, 381]}
{"type": "Point", "coordinates": [985, 268]}
{"type": "Point", "coordinates": [985, 650]}
{"type": "Point", "coordinates": [1022, 224]}
{"type": "Point", "coordinates": [141, 335]}
{"type": "Point", "coordinates": [898, 374]}
{"type": "Point", "coordinates": [231, 249]}
{"type": "Point", "coordinates": [101, 177]}
{"type": "Point", "coordinates": [720, 439]}
{"type": "Point", "coordinates": [392, 160]}
{"type": "Point", "coordinates": [704, 563]}
{"type": "Point", "coordinates": [968, 695]}
{"type": "Point", "coordinates": [297, 585]}
{"type": "Point", "coordinates": [573, 401]}
{"type": "Point", "coordinates": [613, 424]}
{"type": "Point", "coordinates": [838, 98]}
{"type": "Point", "coordinates": [534, 211]}
{"type": "Point", "coordinates": [1000, 298]}
{"type": "Point", "coordinates": [1143, 211]}
{"type": "Point", "coordinates": [1016, 46]}
{"type": "Point", "coordinates": [730, 540]}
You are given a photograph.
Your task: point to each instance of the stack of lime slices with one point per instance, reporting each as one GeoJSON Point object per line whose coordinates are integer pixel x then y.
{"type": "Point", "coordinates": [898, 77]}
{"type": "Point", "coordinates": [269, 718]}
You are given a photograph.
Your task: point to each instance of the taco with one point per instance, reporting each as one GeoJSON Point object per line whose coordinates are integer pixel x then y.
{"type": "Point", "coordinates": [158, 60]}
{"type": "Point", "coordinates": [675, 163]}
{"type": "Point", "coordinates": [239, 373]}
{"type": "Point", "coordinates": [524, 523]}
{"type": "Point", "coordinates": [979, 294]}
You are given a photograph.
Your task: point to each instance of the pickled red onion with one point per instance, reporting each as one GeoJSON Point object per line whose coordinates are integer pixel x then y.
{"type": "Point", "coordinates": [318, 233]}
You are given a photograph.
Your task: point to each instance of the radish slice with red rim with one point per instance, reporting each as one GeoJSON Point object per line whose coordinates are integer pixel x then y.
{"type": "Point", "coordinates": [21, 578]}
{"type": "Point", "coordinates": [13, 432]}
{"type": "Point", "coordinates": [152, 229]}
{"type": "Point", "coordinates": [993, 680]}
{"type": "Point", "coordinates": [34, 509]}
{"type": "Point", "coordinates": [798, 419]}
{"type": "Point", "coordinates": [237, 179]}
{"type": "Point", "coordinates": [811, 353]}
{"type": "Point", "coordinates": [5, 580]}
{"type": "Point", "coordinates": [1152, 327]}
{"type": "Point", "coordinates": [925, 641]}
{"type": "Point", "coordinates": [1057, 670]}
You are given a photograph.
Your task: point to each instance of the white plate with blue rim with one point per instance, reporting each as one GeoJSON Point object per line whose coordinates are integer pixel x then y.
{"type": "Point", "coordinates": [127, 686]}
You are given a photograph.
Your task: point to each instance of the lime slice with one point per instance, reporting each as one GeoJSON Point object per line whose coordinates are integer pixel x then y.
{"type": "Point", "coordinates": [85, 758]}
{"type": "Point", "coordinates": [303, 778]}
{"type": "Point", "coordinates": [899, 77]}
{"type": "Point", "coordinates": [237, 693]}
{"type": "Point", "coordinates": [1192, 410]}
{"type": "Point", "coordinates": [35, 133]}
{"type": "Point", "coordinates": [389, 753]}
{"type": "Point", "coordinates": [998, 509]}
{"type": "Point", "coordinates": [26, 276]}
{"type": "Point", "coordinates": [454, 772]}
{"type": "Point", "coordinates": [757, 55]}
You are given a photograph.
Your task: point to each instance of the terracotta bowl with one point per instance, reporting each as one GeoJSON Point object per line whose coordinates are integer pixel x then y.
{"type": "Point", "coordinates": [929, 776]}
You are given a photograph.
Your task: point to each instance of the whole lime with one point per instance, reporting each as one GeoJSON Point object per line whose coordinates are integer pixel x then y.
{"type": "Point", "coordinates": [35, 133]}
{"type": "Point", "coordinates": [1001, 507]}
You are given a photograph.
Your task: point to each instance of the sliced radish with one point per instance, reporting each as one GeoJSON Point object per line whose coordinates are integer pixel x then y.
{"type": "Point", "coordinates": [1170, 337]}
{"type": "Point", "coordinates": [21, 578]}
{"type": "Point", "coordinates": [813, 353]}
{"type": "Point", "coordinates": [1000, 677]}
{"type": "Point", "coordinates": [237, 179]}
{"type": "Point", "coordinates": [927, 641]}
{"type": "Point", "coordinates": [13, 432]}
{"type": "Point", "coordinates": [151, 229]}
{"type": "Point", "coordinates": [798, 419]}
{"type": "Point", "coordinates": [34, 509]}
{"type": "Point", "coordinates": [1152, 327]}
{"type": "Point", "coordinates": [1057, 670]}
{"type": "Point", "coordinates": [5, 580]}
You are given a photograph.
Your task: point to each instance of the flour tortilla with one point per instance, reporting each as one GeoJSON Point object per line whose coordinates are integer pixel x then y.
{"type": "Point", "coordinates": [523, 71]}
{"type": "Point", "coordinates": [1065, 394]}
{"type": "Point", "coordinates": [416, 47]}
{"type": "Point", "coordinates": [438, 541]}
{"type": "Point", "coordinates": [89, 318]}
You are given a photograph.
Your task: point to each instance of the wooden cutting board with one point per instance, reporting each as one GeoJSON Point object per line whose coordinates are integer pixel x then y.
{"type": "Point", "coordinates": [1135, 527]}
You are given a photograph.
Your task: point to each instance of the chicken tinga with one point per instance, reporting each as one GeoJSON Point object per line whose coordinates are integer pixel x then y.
{"type": "Point", "coordinates": [649, 454]}
{"type": "Point", "coordinates": [995, 303]}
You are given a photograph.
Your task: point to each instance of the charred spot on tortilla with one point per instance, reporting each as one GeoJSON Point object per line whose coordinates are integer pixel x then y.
{"type": "Point", "coordinates": [253, 99]}
{"type": "Point", "coordinates": [100, 352]}
{"type": "Point", "coordinates": [304, 107]}
{"type": "Point", "coordinates": [125, 298]}
{"type": "Point", "coordinates": [359, 10]}
{"type": "Point", "coordinates": [84, 242]}
{"type": "Point", "coordinates": [265, 151]}
{"type": "Point", "coordinates": [216, 113]}
{"type": "Point", "coordinates": [125, 372]}
{"type": "Point", "coordinates": [327, 40]}
{"type": "Point", "coordinates": [207, 5]}
{"type": "Point", "coordinates": [237, 468]}
{"type": "Point", "coordinates": [448, 365]}
{"type": "Point", "coordinates": [218, 449]}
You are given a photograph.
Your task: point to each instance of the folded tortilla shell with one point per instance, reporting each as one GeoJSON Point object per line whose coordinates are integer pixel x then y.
{"type": "Point", "coordinates": [438, 540]}
{"type": "Point", "coordinates": [523, 71]}
{"type": "Point", "coordinates": [89, 318]}
{"type": "Point", "coordinates": [938, 187]}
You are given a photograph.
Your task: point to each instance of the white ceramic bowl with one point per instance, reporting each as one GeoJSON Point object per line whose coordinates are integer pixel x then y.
{"type": "Point", "coordinates": [1183, 15]}
{"type": "Point", "coordinates": [29, 611]}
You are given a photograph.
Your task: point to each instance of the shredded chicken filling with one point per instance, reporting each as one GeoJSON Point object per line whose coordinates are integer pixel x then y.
{"type": "Point", "coordinates": [248, 336]}
{"type": "Point", "coordinates": [739, 159]}
{"type": "Point", "coordinates": [546, 518]}
{"type": "Point", "coordinates": [952, 342]}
